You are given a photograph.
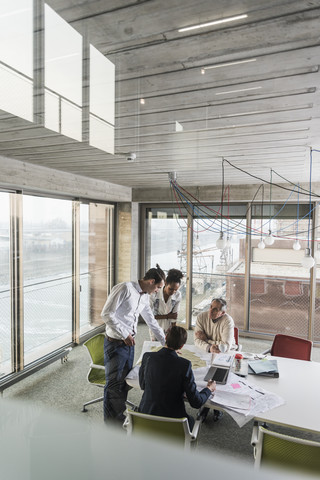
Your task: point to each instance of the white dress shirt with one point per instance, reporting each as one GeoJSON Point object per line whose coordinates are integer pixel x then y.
{"type": "Point", "coordinates": [122, 309]}
{"type": "Point", "coordinates": [160, 307]}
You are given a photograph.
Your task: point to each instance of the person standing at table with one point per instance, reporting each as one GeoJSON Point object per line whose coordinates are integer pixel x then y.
{"type": "Point", "coordinates": [214, 327]}
{"type": "Point", "coordinates": [165, 377]}
{"type": "Point", "coordinates": [165, 303]}
{"type": "Point", "coordinates": [120, 313]}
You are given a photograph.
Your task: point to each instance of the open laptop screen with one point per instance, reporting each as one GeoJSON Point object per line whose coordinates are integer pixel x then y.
{"type": "Point", "coordinates": [218, 374]}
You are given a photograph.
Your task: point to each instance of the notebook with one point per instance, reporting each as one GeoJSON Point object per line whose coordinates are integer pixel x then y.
{"type": "Point", "coordinates": [265, 368]}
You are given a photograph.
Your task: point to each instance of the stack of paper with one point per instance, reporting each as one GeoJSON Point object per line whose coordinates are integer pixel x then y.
{"type": "Point", "coordinates": [264, 367]}
{"type": "Point", "coordinates": [237, 402]}
{"type": "Point", "coordinates": [223, 359]}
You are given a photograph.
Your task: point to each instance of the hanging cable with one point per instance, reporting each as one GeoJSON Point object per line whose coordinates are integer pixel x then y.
{"type": "Point", "coordinates": [308, 260]}
{"type": "Point", "coordinates": [266, 181]}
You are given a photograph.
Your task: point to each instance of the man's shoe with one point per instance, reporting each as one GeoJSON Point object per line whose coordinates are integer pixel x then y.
{"type": "Point", "coordinates": [203, 413]}
{"type": "Point", "coordinates": [217, 414]}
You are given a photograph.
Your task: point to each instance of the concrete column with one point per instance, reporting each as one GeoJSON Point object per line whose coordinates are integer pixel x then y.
{"type": "Point", "coordinates": [124, 234]}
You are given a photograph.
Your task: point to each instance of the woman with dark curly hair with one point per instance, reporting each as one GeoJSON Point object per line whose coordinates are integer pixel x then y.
{"type": "Point", "coordinates": [165, 303]}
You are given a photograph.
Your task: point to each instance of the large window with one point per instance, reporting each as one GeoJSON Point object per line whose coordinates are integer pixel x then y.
{"type": "Point", "coordinates": [213, 263]}
{"type": "Point", "coordinates": [47, 272]}
{"type": "Point", "coordinates": [166, 244]}
{"type": "Point", "coordinates": [279, 285]}
{"type": "Point", "coordinates": [266, 288]}
{"type": "Point", "coordinates": [96, 264]}
{"type": "Point", "coordinates": [57, 268]}
{"type": "Point", "coordinates": [5, 290]}
{"type": "Point", "coordinates": [84, 267]}
{"type": "Point", "coordinates": [316, 325]}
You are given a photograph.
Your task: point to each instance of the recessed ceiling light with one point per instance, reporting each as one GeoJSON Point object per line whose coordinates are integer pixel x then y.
{"type": "Point", "coordinates": [219, 65]}
{"type": "Point", "coordinates": [240, 90]}
{"type": "Point", "coordinates": [203, 71]}
{"type": "Point", "coordinates": [215, 22]}
{"type": "Point", "coordinates": [142, 101]}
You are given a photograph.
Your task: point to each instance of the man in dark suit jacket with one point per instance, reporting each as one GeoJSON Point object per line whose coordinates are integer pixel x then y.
{"type": "Point", "coordinates": [165, 378]}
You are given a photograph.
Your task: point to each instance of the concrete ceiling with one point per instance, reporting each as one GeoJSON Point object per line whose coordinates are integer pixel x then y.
{"type": "Point", "coordinates": [259, 115]}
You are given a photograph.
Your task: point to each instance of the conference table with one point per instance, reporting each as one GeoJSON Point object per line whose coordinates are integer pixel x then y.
{"type": "Point", "coordinates": [298, 385]}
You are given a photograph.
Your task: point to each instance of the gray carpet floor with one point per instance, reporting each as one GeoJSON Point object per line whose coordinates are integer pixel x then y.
{"type": "Point", "coordinates": [65, 387]}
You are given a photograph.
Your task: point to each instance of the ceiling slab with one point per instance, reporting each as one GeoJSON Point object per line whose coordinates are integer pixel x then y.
{"type": "Point", "coordinates": [261, 113]}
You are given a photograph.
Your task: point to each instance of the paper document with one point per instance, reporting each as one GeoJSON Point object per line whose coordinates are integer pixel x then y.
{"type": "Point", "coordinates": [232, 400]}
{"type": "Point", "coordinates": [260, 399]}
{"type": "Point", "coordinates": [223, 359]}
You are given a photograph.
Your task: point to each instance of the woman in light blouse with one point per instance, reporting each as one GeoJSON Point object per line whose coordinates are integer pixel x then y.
{"type": "Point", "coordinates": [165, 303]}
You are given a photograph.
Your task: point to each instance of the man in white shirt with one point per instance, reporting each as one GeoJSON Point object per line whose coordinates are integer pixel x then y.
{"type": "Point", "coordinates": [121, 312]}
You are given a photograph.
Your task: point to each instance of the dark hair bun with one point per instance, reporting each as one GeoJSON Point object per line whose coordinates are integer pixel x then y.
{"type": "Point", "coordinates": [174, 276]}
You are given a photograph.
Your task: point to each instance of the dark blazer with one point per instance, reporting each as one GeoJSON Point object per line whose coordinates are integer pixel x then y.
{"type": "Point", "coordinates": [165, 377]}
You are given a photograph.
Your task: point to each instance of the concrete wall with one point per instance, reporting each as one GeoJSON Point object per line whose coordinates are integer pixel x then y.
{"type": "Point", "coordinates": [123, 266]}
{"type": "Point", "coordinates": [238, 193]}
{"type": "Point", "coordinates": [34, 178]}
{"type": "Point", "coordinates": [127, 267]}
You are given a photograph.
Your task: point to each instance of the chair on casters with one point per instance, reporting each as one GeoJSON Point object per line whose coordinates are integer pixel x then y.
{"type": "Point", "coordinates": [176, 429]}
{"type": "Point", "coordinates": [290, 347]}
{"type": "Point", "coordinates": [274, 449]}
{"type": "Point", "coordinates": [96, 374]}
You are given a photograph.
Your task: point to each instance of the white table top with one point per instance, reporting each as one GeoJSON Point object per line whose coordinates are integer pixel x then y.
{"type": "Point", "coordinates": [299, 385]}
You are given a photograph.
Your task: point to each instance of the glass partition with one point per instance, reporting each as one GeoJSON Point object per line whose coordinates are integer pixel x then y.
{"type": "Point", "coordinates": [16, 57]}
{"type": "Point", "coordinates": [102, 95]}
{"type": "Point", "coordinates": [63, 76]}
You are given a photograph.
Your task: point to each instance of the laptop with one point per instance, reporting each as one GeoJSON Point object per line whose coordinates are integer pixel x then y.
{"type": "Point", "coordinates": [218, 374]}
{"type": "Point", "coordinates": [264, 368]}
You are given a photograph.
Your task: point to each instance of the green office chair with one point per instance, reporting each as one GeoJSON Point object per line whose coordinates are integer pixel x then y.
{"type": "Point", "coordinates": [96, 375]}
{"type": "Point", "coordinates": [163, 428]}
{"type": "Point", "coordinates": [274, 449]}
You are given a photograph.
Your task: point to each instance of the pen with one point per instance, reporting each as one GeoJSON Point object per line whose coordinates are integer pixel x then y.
{"type": "Point", "coordinates": [251, 388]}
{"type": "Point", "coordinates": [259, 391]}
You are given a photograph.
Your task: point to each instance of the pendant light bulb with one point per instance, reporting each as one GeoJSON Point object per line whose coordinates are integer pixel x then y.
{"type": "Point", "coordinates": [296, 245]}
{"type": "Point", "coordinates": [308, 260]}
{"type": "Point", "coordinates": [261, 244]}
{"type": "Point", "coordinates": [221, 242]}
{"type": "Point", "coordinates": [269, 240]}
